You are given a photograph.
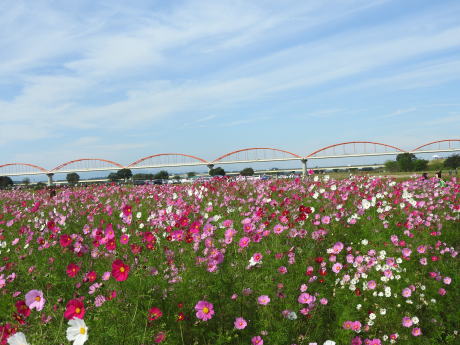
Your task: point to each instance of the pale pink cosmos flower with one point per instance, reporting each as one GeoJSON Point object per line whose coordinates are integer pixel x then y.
{"type": "Point", "coordinates": [35, 300]}
{"type": "Point", "coordinates": [337, 267]}
{"type": "Point", "coordinates": [371, 285]}
{"type": "Point", "coordinates": [406, 292]}
{"type": "Point", "coordinates": [323, 301]}
{"type": "Point", "coordinates": [447, 280]}
{"type": "Point", "coordinates": [106, 276]}
{"type": "Point", "coordinates": [263, 300]}
{"type": "Point", "coordinates": [306, 298]}
{"type": "Point", "coordinates": [240, 323]}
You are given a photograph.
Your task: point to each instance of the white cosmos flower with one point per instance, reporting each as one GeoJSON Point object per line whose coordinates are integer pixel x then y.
{"type": "Point", "coordinates": [18, 338]}
{"type": "Point", "coordinates": [77, 332]}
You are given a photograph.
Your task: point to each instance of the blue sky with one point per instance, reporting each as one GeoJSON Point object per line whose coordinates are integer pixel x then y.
{"type": "Point", "coordinates": [122, 80]}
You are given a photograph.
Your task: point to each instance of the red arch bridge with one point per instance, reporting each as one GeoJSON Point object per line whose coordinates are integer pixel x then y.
{"type": "Point", "coordinates": [247, 155]}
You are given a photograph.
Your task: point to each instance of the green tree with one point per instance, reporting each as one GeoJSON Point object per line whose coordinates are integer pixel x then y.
{"type": "Point", "coordinates": [5, 181]}
{"type": "Point", "coordinates": [406, 161]}
{"type": "Point", "coordinates": [124, 174]}
{"type": "Point", "coordinates": [247, 172]}
{"type": "Point", "coordinates": [217, 172]}
{"type": "Point", "coordinates": [191, 174]}
{"type": "Point", "coordinates": [420, 164]}
{"type": "Point", "coordinates": [143, 176]}
{"type": "Point", "coordinates": [73, 178]}
{"type": "Point", "coordinates": [162, 175]}
{"type": "Point", "coordinates": [176, 177]}
{"type": "Point", "coordinates": [26, 181]}
{"type": "Point", "coordinates": [452, 162]}
{"type": "Point", "coordinates": [113, 177]}
{"type": "Point", "coordinates": [391, 166]}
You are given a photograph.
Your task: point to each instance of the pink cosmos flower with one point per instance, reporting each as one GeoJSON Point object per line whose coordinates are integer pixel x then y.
{"type": "Point", "coordinates": [323, 301]}
{"type": "Point", "coordinates": [35, 300]}
{"type": "Point", "coordinates": [347, 324]}
{"type": "Point", "coordinates": [240, 323]}
{"type": "Point", "coordinates": [337, 267]}
{"type": "Point", "coordinates": [244, 242]}
{"type": "Point", "coordinates": [282, 270]}
{"type": "Point", "coordinates": [257, 340]}
{"type": "Point", "coordinates": [204, 310]}
{"type": "Point", "coordinates": [447, 280]}
{"type": "Point", "coordinates": [263, 300]}
{"type": "Point", "coordinates": [416, 331]}
{"type": "Point", "coordinates": [306, 298]}
{"type": "Point", "coordinates": [257, 257]}
{"type": "Point", "coordinates": [406, 292]}
{"type": "Point", "coordinates": [371, 285]}
{"type": "Point", "coordinates": [406, 321]}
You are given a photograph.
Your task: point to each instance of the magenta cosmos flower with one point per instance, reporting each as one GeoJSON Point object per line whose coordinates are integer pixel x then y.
{"type": "Point", "coordinates": [204, 310]}
{"type": "Point", "coordinates": [240, 323]}
{"type": "Point", "coordinates": [257, 340]}
{"type": "Point", "coordinates": [35, 300]}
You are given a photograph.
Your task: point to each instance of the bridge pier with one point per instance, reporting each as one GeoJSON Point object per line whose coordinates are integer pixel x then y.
{"type": "Point", "coordinates": [50, 178]}
{"type": "Point", "coordinates": [304, 167]}
{"type": "Point", "coordinates": [210, 166]}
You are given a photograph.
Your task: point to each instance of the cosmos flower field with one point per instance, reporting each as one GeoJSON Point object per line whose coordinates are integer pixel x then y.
{"type": "Point", "coordinates": [361, 260]}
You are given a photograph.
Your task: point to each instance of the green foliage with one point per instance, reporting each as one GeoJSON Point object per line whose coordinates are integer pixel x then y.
{"type": "Point", "coordinates": [113, 177]}
{"type": "Point", "coordinates": [406, 161]}
{"type": "Point", "coordinates": [217, 172]}
{"type": "Point", "coordinates": [191, 174]}
{"type": "Point", "coordinates": [420, 164]}
{"type": "Point", "coordinates": [452, 162]}
{"type": "Point", "coordinates": [247, 172]}
{"type": "Point", "coordinates": [26, 181]}
{"type": "Point", "coordinates": [143, 177]}
{"type": "Point", "coordinates": [124, 174]}
{"type": "Point", "coordinates": [435, 165]}
{"type": "Point", "coordinates": [162, 175]}
{"type": "Point", "coordinates": [391, 166]}
{"type": "Point", "coordinates": [176, 177]}
{"type": "Point", "coordinates": [5, 181]}
{"type": "Point", "coordinates": [73, 178]}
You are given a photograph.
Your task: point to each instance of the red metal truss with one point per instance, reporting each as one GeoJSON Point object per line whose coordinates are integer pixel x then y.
{"type": "Point", "coordinates": [354, 142]}
{"type": "Point", "coordinates": [254, 148]}
{"type": "Point", "coordinates": [59, 167]}
{"type": "Point", "coordinates": [166, 154]}
{"type": "Point", "coordinates": [27, 164]}
{"type": "Point", "coordinates": [435, 142]}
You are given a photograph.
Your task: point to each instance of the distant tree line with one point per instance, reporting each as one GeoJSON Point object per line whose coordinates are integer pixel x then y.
{"type": "Point", "coordinates": [409, 162]}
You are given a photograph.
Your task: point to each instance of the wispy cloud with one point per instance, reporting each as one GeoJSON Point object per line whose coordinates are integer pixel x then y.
{"type": "Point", "coordinates": [84, 67]}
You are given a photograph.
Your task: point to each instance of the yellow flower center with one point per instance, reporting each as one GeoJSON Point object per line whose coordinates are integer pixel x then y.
{"type": "Point", "coordinates": [122, 269]}
{"type": "Point", "coordinates": [205, 310]}
{"type": "Point", "coordinates": [77, 310]}
{"type": "Point", "coordinates": [82, 330]}
{"type": "Point", "coordinates": [38, 298]}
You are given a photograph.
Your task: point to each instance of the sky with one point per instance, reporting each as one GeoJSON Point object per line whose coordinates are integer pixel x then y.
{"type": "Point", "coordinates": [123, 80]}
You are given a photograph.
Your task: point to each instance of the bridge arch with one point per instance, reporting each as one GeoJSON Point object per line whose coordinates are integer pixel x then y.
{"type": "Point", "coordinates": [59, 167]}
{"type": "Point", "coordinates": [25, 164]}
{"type": "Point", "coordinates": [219, 159]}
{"type": "Point", "coordinates": [450, 141]}
{"type": "Point", "coordinates": [354, 142]}
{"type": "Point", "coordinates": [133, 164]}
